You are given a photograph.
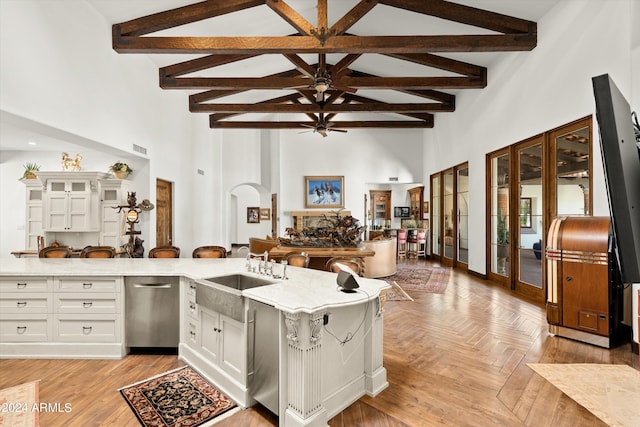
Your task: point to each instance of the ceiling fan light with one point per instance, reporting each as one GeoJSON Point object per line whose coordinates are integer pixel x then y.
{"type": "Point", "coordinates": [321, 85]}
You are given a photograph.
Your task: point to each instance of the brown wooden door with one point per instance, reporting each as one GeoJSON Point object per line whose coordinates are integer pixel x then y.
{"type": "Point", "coordinates": [274, 215]}
{"type": "Point", "coordinates": [164, 213]}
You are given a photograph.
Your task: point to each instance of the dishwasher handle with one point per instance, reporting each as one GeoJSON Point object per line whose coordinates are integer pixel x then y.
{"type": "Point", "coordinates": [153, 285]}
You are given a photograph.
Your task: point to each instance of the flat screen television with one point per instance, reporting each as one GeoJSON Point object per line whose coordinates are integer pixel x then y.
{"type": "Point", "coordinates": [621, 160]}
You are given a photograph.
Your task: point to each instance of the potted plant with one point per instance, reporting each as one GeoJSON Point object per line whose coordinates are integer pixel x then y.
{"type": "Point", "coordinates": [30, 168]}
{"type": "Point", "coordinates": [502, 250]}
{"type": "Point", "coordinates": [120, 170]}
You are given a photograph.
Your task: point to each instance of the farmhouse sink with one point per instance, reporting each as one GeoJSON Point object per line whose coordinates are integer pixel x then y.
{"type": "Point", "coordinates": [224, 293]}
{"type": "Point", "coordinates": [240, 281]}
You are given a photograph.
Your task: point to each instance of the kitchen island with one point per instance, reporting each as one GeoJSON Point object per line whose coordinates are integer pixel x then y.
{"type": "Point", "coordinates": [329, 343]}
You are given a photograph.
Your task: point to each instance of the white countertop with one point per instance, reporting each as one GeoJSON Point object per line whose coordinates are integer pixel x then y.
{"type": "Point", "coordinates": [307, 290]}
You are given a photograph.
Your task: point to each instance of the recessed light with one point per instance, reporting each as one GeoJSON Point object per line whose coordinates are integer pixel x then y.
{"type": "Point", "coordinates": [32, 143]}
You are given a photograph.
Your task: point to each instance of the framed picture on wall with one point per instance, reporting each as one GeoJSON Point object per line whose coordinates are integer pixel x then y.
{"type": "Point", "coordinates": [265, 214]}
{"type": "Point", "coordinates": [324, 192]}
{"type": "Point", "coordinates": [253, 215]}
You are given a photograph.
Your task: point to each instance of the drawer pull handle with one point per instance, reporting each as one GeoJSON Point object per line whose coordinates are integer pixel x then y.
{"type": "Point", "coordinates": [21, 285]}
{"type": "Point", "coordinates": [86, 329]}
{"type": "Point", "coordinates": [21, 329]}
{"type": "Point", "coordinates": [87, 304]}
{"type": "Point", "coordinates": [21, 304]}
{"type": "Point", "coordinates": [87, 285]}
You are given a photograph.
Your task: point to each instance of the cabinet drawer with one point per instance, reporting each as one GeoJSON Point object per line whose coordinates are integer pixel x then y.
{"type": "Point", "coordinates": [25, 328]}
{"type": "Point", "coordinates": [191, 334]}
{"type": "Point", "coordinates": [25, 284]}
{"type": "Point", "coordinates": [93, 303]}
{"type": "Point", "coordinates": [25, 302]}
{"type": "Point", "coordinates": [89, 284]}
{"type": "Point", "coordinates": [87, 328]}
{"type": "Point", "coordinates": [191, 309]}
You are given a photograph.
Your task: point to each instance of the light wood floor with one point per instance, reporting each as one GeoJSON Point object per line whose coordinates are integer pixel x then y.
{"type": "Point", "coordinates": [455, 359]}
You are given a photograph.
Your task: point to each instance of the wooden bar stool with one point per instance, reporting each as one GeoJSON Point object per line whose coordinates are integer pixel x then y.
{"type": "Point", "coordinates": [402, 243]}
{"type": "Point", "coordinates": [209, 252]}
{"type": "Point", "coordinates": [165, 252]}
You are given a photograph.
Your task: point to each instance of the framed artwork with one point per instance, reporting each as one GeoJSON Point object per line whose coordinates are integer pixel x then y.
{"type": "Point", "coordinates": [265, 214]}
{"type": "Point", "coordinates": [525, 212]}
{"type": "Point", "coordinates": [324, 192]}
{"type": "Point", "coordinates": [402, 212]}
{"type": "Point", "coordinates": [253, 215]}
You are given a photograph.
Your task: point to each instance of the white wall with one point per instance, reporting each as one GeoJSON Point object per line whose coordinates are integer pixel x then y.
{"type": "Point", "coordinates": [531, 92]}
{"type": "Point", "coordinates": [59, 71]}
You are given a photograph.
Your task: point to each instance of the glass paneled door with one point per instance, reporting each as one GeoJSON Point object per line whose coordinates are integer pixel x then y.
{"type": "Point", "coordinates": [462, 183]}
{"type": "Point", "coordinates": [435, 215]}
{"type": "Point", "coordinates": [530, 225]}
{"type": "Point", "coordinates": [500, 201]}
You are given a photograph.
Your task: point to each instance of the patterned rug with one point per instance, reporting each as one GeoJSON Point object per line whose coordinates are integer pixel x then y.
{"type": "Point", "coordinates": [20, 405]}
{"type": "Point", "coordinates": [420, 278]}
{"type": "Point", "coordinates": [610, 392]}
{"type": "Point", "coordinates": [176, 398]}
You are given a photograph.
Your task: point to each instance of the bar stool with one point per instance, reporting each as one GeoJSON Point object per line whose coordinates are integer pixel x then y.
{"type": "Point", "coordinates": [55, 252]}
{"type": "Point", "coordinates": [412, 243]}
{"type": "Point", "coordinates": [98, 252]}
{"type": "Point", "coordinates": [422, 244]}
{"type": "Point", "coordinates": [209, 252]}
{"type": "Point", "coordinates": [353, 263]}
{"type": "Point", "coordinates": [297, 259]}
{"type": "Point", "coordinates": [402, 243]}
{"type": "Point", "coordinates": [165, 252]}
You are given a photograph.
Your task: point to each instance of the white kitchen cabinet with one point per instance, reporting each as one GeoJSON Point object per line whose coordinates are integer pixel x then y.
{"type": "Point", "coordinates": [33, 213]}
{"type": "Point", "coordinates": [113, 193]}
{"type": "Point", "coordinates": [71, 201]}
{"type": "Point", "coordinates": [62, 316]}
{"type": "Point", "coordinates": [25, 309]}
{"type": "Point", "coordinates": [224, 342]}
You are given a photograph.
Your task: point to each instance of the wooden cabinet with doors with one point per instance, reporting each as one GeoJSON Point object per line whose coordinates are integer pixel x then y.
{"type": "Point", "coordinates": [416, 198]}
{"type": "Point", "coordinates": [380, 209]}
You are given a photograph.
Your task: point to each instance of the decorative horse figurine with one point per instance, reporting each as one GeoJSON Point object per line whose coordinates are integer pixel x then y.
{"type": "Point", "coordinates": [69, 163]}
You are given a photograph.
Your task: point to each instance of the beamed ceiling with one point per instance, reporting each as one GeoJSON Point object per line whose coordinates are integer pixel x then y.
{"type": "Point", "coordinates": [414, 80]}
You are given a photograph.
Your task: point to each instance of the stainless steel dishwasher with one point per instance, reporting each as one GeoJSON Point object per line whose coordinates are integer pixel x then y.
{"type": "Point", "coordinates": [263, 384]}
{"type": "Point", "coordinates": [152, 316]}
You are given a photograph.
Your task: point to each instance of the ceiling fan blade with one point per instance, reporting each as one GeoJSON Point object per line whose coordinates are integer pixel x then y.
{"type": "Point", "coordinates": [338, 130]}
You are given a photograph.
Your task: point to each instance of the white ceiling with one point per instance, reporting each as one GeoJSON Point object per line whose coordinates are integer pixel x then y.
{"type": "Point", "coordinates": [261, 21]}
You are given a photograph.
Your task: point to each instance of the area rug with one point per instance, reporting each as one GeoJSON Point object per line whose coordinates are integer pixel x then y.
{"type": "Point", "coordinates": [20, 405]}
{"type": "Point", "coordinates": [176, 398]}
{"type": "Point", "coordinates": [421, 278]}
{"type": "Point", "coordinates": [610, 392]}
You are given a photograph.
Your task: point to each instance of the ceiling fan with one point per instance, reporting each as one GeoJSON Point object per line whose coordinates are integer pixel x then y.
{"type": "Point", "coordinates": [323, 127]}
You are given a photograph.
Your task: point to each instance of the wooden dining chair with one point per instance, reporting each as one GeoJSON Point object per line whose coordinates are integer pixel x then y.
{"type": "Point", "coordinates": [353, 263]}
{"type": "Point", "coordinates": [55, 252]}
{"type": "Point", "coordinates": [297, 259]}
{"type": "Point", "coordinates": [98, 252]}
{"type": "Point", "coordinates": [165, 252]}
{"type": "Point", "coordinates": [209, 252]}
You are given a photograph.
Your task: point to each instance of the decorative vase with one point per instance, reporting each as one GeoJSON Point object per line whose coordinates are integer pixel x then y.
{"type": "Point", "coordinates": [120, 174]}
{"type": "Point", "coordinates": [30, 175]}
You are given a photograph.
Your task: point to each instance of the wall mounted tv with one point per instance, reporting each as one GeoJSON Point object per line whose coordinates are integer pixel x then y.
{"type": "Point", "coordinates": [621, 160]}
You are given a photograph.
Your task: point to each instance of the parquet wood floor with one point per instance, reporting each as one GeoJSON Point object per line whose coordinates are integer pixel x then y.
{"type": "Point", "coordinates": [453, 359]}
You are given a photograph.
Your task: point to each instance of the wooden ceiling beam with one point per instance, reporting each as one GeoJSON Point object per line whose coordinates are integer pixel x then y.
{"type": "Point", "coordinates": [465, 15]}
{"type": "Point", "coordinates": [292, 17]}
{"type": "Point", "coordinates": [301, 65]}
{"type": "Point", "coordinates": [281, 99]}
{"type": "Point", "coordinates": [360, 107]}
{"type": "Point", "coordinates": [442, 63]}
{"type": "Point", "coordinates": [336, 44]}
{"type": "Point", "coordinates": [398, 124]}
{"type": "Point", "coordinates": [200, 64]}
{"type": "Point", "coordinates": [247, 83]}
{"type": "Point", "coordinates": [427, 106]}
{"type": "Point", "coordinates": [181, 15]}
{"type": "Point", "coordinates": [353, 16]}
